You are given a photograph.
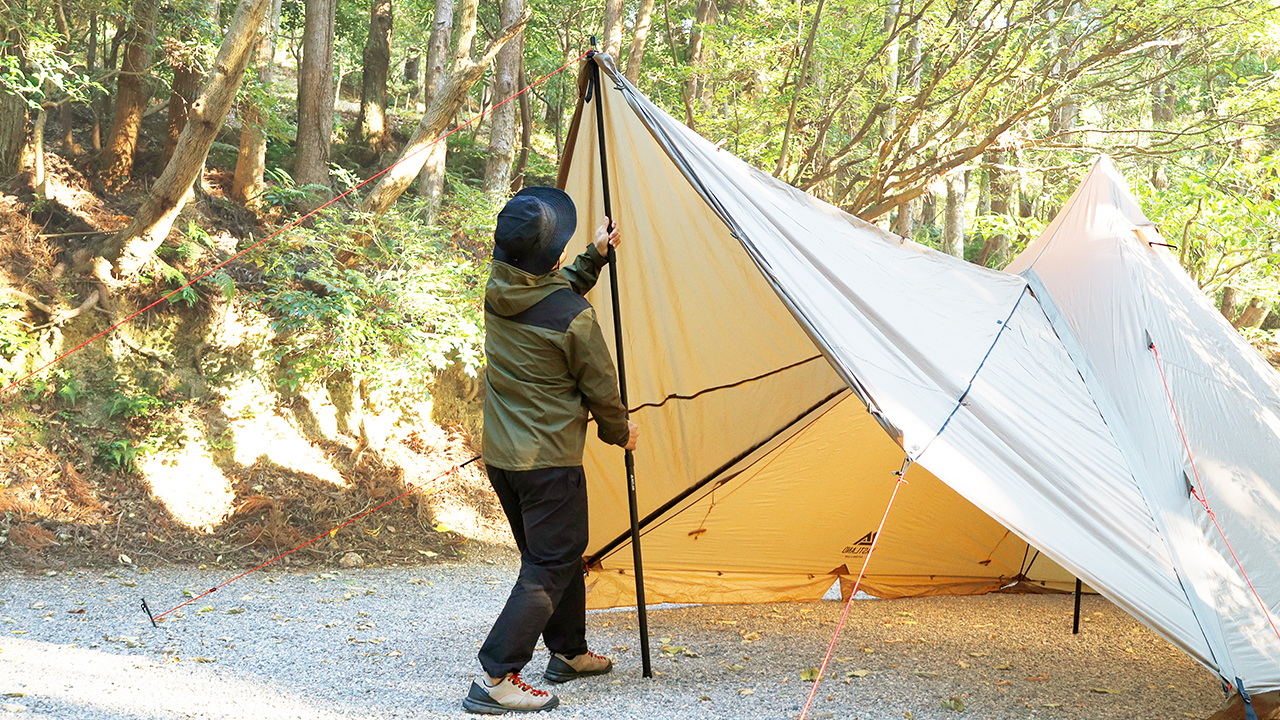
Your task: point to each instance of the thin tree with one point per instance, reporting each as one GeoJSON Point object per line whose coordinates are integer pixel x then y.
{"type": "Point", "coordinates": [611, 40]}
{"type": "Point", "coordinates": [13, 107]}
{"type": "Point", "coordinates": [315, 95]}
{"type": "Point", "coordinates": [251, 162]}
{"type": "Point", "coordinates": [502, 127]}
{"type": "Point", "coordinates": [131, 95]}
{"type": "Point", "coordinates": [431, 177]}
{"type": "Point", "coordinates": [372, 126]}
{"type": "Point", "coordinates": [130, 249]}
{"type": "Point", "coordinates": [449, 96]}
{"type": "Point", "coordinates": [639, 37]}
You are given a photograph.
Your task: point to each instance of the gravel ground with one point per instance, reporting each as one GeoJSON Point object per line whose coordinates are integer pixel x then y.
{"type": "Point", "coordinates": [400, 643]}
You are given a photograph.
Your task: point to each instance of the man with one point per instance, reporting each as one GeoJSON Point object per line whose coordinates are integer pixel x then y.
{"type": "Point", "coordinates": [547, 368]}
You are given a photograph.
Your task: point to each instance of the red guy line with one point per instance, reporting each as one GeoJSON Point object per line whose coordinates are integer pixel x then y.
{"type": "Point", "coordinates": [419, 486]}
{"type": "Point", "coordinates": [1195, 491]}
{"type": "Point", "coordinates": [22, 380]}
{"type": "Point", "coordinates": [902, 479]}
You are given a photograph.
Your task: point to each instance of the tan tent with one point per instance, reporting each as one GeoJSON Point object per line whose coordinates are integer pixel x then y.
{"type": "Point", "coordinates": [784, 358]}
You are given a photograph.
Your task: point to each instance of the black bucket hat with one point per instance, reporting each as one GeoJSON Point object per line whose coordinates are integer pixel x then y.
{"type": "Point", "coordinates": [533, 229]}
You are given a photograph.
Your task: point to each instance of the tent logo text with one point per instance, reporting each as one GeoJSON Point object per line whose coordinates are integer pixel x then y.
{"type": "Point", "coordinates": [862, 547]}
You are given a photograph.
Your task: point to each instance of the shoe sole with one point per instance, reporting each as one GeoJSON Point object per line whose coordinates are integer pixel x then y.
{"type": "Point", "coordinates": [492, 708]}
{"type": "Point", "coordinates": [557, 677]}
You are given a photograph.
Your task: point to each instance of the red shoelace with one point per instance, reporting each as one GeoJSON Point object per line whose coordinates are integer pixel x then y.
{"type": "Point", "coordinates": [515, 680]}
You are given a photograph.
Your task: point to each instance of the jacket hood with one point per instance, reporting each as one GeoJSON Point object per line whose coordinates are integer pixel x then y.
{"type": "Point", "coordinates": [511, 290]}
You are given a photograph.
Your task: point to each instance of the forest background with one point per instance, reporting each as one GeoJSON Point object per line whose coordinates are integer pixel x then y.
{"type": "Point", "coordinates": [144, 142]}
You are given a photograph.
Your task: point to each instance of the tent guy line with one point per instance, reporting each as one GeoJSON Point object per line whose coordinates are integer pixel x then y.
{"type": "Point", "coordinates": [412, 488]}
{"type": "Point", "coordinates": [22, 380]}
{"type": "Point", "coordinates": [1197, 491]}
{"type": "Point", "coordinates": [902, 480]}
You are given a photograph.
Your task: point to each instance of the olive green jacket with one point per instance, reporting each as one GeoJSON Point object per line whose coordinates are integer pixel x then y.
{"type": "Point", "coordinates": [547, 366]}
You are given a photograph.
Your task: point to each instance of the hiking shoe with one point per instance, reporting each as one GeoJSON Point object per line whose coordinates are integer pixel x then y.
{"type": "Point", "coordinates": [563, 668]}
{"type": "Point", "coordinates": [511, 695]}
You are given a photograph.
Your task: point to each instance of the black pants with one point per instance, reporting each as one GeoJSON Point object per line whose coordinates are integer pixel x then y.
{"type": "Point", "coordinates": [548, 513]}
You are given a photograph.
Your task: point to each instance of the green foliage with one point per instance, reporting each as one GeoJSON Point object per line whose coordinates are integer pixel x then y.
{"type": "Point", "coordinates": [131, 406]}
{"type": "Point", "coordinates": [119, 455]}
{"type": "Point", "coordinates": [389, 299]}
{"type": "Point", "coordinates": [69, 389]}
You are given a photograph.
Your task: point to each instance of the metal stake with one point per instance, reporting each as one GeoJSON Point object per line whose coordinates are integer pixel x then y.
{"type": "Point", "coordinates": [641, 610]}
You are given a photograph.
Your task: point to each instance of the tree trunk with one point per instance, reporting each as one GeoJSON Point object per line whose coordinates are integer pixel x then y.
{"type": "Point", "coordinates": [448, 98]}
{"type": "Point", "coordinates": [611, 38]}
{"type": "Point", "coordinates": [133, 246]}
{"type": "Point", "coordinates": [315, 96]}
{"type": "Point", "coordinates": [186, 83]}
{"type": "Point", "coordinates": [411, 73]}
{"type": "Point", "coordinates": [953, 235]}
{"type": "Point", "coordinates": [1228, 305]}
{"type": "Point", "coordinates": [704, 15]}
{"type": "Point", "coordinates": [91, 59]}
{"type": "Point", "coordinates": [526, 134]}
{"type": "Point", "coordinates": [639, 38]}
{"type": "Point", "coordinates": [502, 127]}
{"type": "Point", "coordinates": [251, 162]}
{"type": "Point", "coordinates": [372, 127]}
{"type": "Point", "coordinates": [431, 178]}
{"type": "Point", "coordinates": [131, 96]}
{"type": "Point", "coordinates": [1253, 314]}
{"type": "Point", "coordinates": [1002, 187]}
{"type": "Point", "coordinates": [13, 110]}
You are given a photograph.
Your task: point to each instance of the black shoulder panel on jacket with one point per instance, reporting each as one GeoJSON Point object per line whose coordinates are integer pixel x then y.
{"type": "Point", "coordinates": [553, 312]}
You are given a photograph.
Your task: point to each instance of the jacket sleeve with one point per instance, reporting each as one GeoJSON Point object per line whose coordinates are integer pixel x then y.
{"type": "Point", "coordinates": [585, 270]}
{"type": "Point", "coordinates": [592, 367]}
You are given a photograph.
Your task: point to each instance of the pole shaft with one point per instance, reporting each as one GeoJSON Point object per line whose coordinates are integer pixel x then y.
{"type": "Point", "coordinates": [1075, 624]}
{"type": "Point", "coordinates": [641, 610]}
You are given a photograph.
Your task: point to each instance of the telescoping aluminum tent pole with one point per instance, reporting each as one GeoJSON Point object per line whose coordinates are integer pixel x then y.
{"type": "Point", "coordinates": [595, 92]}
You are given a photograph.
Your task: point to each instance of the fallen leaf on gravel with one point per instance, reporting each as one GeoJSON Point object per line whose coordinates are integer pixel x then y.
{"type": "Point", "coordinates": [689, 653]}
{"type": "Point", "coordinates": [906, 614]}
{"type": "Point", "coordinates": [206, 608]}
{"type": "Point", "coordinates": [858, 673]}
{"type": "Point", "coordinates": [809, 675]}
{"type": "Point", "coordinates": [1105, 691]}
{"type": "Point", "coordinates": [203, 660]}
{"type": "Point", "coordinates": [751, 637]}
{"type": "Point", "coordinates": [672, 649]}
{"type": "Point", "coordinates": [727, 622]}
{"type": "Point", "coordinates": [1004, 682]}
{"type": "Point", "coordinates": [907, 715]}
{"type": "Point", "coordinates": [868, 650]}
{"type": "Point", "coordinates": [357, 641]}
{"type": "Point", "coordinates": [845, 659]}
{"type": "Point", "coordinates": [128, 584]}
{"type": "Point", "coordinates": [15, 694]}
{"type": "Point", "coordinates": [19, 632]}
{"type": "Point", "coordinates": [1003, 666]}
{"type": "Point", "coordinates": [235, 611]}
{"type": "Point", "coordinates": [125, 559]}
{"type": "Point", "coordinates": [735, 667]}
{"type": "Point", "coordinates": [954, 703]}
{"type": "Point", "coordinates": [746, 691]}
{"type": "Point", "coordinates": [704, 698]}
{"type": "Point", "coordinates": [77, 611]}
{"type": "Point", "coordinates": [622, 648]}
{"type": "Point", "coordinates": [977, 654]}
{"type": "Point", "coordinates": [1038, 678]}
{"type": "Point", "coordinates": [1051, 705]}
{"type": "Point", "coordinates": [962, 663]}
